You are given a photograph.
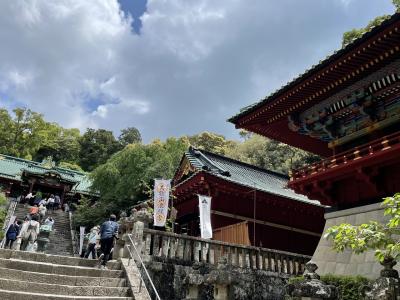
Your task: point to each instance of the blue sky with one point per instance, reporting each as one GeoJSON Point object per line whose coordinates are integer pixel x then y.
{"type": "Point", "coordinates": [167, 67]}
{"type": "Point", "coordinates": [136, 9]}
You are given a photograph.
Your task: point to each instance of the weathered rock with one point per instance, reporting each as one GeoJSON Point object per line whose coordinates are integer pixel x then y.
{"type": "Point", "coordinates": [387, 286]}
{"type": "Point", "coordinates": [312, 287]}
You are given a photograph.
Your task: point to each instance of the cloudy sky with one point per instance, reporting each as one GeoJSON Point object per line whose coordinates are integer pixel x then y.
{"type": "Point", "coordinates": [167, 67]}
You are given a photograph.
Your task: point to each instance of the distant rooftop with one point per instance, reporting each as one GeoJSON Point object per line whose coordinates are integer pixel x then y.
{"type": "Point", "coordinates": [13, 167]}
{"type": "Point", "coordinates": [243, 174]}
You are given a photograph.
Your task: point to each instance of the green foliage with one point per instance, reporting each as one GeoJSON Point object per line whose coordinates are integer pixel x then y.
{"type": "Point", "coordinates": [352, 34]}
{"type": "Point", "coordinates": [96, 146]}
{"type": "Point", "coordinates": [348, 286]}
{"type": "Point", "coordinates": [129, 135]}
{"type": "Point", "coordinates": [3, 212]}
{"type": "Point", "coordinates": [71, 166]}
{"type": "Point", "coordinates": [212, 142]}
{"type": "Point", "coordinates": [87, 214]}
{"type": "Point", "coordinates": [26, 134]}
{"type": "Point", "coordinates": [126, 177]}
{"type": "Point", "coordinates": [269, 154]}
{"type": "Point", "coordinates": [383, 238]}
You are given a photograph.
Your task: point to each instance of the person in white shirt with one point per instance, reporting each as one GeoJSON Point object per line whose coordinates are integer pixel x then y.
{"type": "Point", "coordinates": [50, 203]}
{"type": "Point", "coordinates": [43, 202]}
{"type": "Point", "coordinates": [49, 221]}
{"type": "Point", "coordinates": [29, 237]}
{"type": "Point", "coordinates": [92, 240]}
{"type": "Point", "coordinates": [42, 211]}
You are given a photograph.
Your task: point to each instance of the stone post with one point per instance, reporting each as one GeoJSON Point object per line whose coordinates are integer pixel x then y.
{"type": "Point", "coordinates": [123, 230]}
{"type": "Point", "coordinates": [387, 286]}
{"type": "Point", "coordinates": [139, 220]}
{"type": "Point", "coordinates": [222, 278]}
{"type": "Point", "coordinates": [193, 281]}
{"type": "Point", "coordinates": [312, 288]}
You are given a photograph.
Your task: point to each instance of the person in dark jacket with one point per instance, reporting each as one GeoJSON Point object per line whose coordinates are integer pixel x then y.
{"type": "Point", "coordinates": [12, 233]}
{"type": "Point", "coordinates": [108, 231]}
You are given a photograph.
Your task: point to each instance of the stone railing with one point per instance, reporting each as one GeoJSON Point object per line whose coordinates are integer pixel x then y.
{"type": "Point", "coordinates": [347, 157]}
{"type": "Point", "coordinates": [159, 244]}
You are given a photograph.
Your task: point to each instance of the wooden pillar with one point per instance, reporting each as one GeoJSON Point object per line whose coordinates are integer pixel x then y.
{"type": "Point", "coordinates": [31, 183]}
{"type": "Point", "coordinates": [62, 196]}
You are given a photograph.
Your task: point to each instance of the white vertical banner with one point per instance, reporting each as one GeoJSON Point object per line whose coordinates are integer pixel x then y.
{"type": "Point", "coordinates": [161, 199]}
{"type": "Point", "coordinates": [205, 217]}
{"type": "Point", "coordinates": [81, 238]}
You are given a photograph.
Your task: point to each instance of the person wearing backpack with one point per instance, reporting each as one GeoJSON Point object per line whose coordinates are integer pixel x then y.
{"type": "Point", "coordinates": [30, 235]}
{"type": "Point", "coordinates": [108, 232]}
{"type": "Point", "coordinates": [12, 233]}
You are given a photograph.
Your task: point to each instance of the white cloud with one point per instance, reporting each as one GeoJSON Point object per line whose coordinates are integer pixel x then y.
{"type": "Point", "coordinates": [195, 63]}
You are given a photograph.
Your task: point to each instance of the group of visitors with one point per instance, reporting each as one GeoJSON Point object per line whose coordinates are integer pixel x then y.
{"type": "Point", "coordinates": [51, 203]}
{"type": "Point", "coordinates": [22, 235]}
{"type": "Point", "coordinates": [101, 238]}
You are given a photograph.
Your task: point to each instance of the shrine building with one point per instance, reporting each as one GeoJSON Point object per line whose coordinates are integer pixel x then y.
{"type": "Point", "coordinates": [249, 206]}
{"type": "Point", "coordinates": [346, 109]}
{"type": "Point", "coordinates": [20, 176]}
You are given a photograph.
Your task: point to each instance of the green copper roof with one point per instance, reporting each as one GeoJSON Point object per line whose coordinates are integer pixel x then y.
{"type": "Point", "coordinates": [243, 174]}
{"type": "Point", "coordinates": [12, 168]}
{"type": "Point", "coordinates": [315, 68]}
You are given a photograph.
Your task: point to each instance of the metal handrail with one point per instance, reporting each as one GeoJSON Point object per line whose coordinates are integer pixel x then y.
{"type": "Point", "coordinates": [143, 266]}
{"type": "Point", "coordinates": [10, 212]}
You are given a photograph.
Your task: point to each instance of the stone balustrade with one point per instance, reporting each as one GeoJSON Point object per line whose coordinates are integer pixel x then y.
{"type": "Point", "coordinates": [166, 245]}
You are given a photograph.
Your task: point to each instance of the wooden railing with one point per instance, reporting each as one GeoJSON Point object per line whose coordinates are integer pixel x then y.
{"type": "Point", "coordinates": [181, 247]}
{"type": "Point", "coordinates": [343, 158]}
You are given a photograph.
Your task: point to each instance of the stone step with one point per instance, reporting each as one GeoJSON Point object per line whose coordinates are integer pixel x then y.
{"type": "Point", "coordinates": [40, 267]}
{"type": "Point", "coordinates": [60, 238]}
{"type": "Point", "coordinates": [55, 259]}
{"type": "Point", "coordinates": [64, 279]}
{"type": "Point", "coordinates": [18, 295]}
{"type": "Point", "coordinates": [58, 289]}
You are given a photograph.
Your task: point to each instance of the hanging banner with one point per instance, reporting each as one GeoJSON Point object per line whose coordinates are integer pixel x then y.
{"type": "Point", "coordinates": [81, 238]}
{"type": "Point", "coordinates": [161, 197]}
{"type": "Point", "coordinates": [205, 217]}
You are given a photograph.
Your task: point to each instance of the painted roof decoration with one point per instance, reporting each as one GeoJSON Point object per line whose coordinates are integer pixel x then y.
{"type": "Point", "coordinates": [241, 173]}
{"type": "Point", "coordinates": [13, 167]}
{"type": "Point", "coordinates": [315, 68]}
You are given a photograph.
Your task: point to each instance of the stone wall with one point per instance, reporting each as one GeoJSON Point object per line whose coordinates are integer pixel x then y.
{"type": "Point", "coordinates": [347, 262]}
{"type": "Point", "coordinates": [174, 280]}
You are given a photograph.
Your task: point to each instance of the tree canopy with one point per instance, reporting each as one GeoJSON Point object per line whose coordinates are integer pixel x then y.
{"type": "Point", "coordinates": [26, 134]}
{"type": "Point", "coordinates": [352, 34]}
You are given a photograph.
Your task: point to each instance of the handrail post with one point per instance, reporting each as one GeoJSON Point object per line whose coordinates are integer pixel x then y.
{"type": "Point", "coordinates": [141, 264]}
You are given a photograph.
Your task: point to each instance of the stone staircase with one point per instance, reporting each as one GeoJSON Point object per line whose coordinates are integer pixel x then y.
{"type": "Point", "coordinates": [38, 276]}
{"type": "Point", "coordinates": [60, 237]}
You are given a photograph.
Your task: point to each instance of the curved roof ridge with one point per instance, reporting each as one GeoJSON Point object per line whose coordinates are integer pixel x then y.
{"type": "Point", "coordinates": [273, 172]}
{"type": "Point", "coordinates": [315, 68]}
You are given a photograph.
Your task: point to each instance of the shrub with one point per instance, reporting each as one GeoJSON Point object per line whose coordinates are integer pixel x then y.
{"type": "Point", "coordinates": [348, 286]}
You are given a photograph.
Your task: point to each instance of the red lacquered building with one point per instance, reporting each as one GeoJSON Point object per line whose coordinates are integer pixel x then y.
{"type": "Point", "coordinates": [347, 110]}
{"type": "Point", "coordinates": [250, 205]}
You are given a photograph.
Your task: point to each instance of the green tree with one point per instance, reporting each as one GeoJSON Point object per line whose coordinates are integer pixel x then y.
{"type": "Point", "coordinates": [270, 154]}
{"type": "Point", "coordinates": [3, 211]}
{"type": "Point", "coordinates": [71, 166]}
{"type": "Point", "coordinates": [96, 146]}
{"type": "Point", "coordinates": [129, 135]}
{"type": "Point", "coordinates": [211, 142]}
{"type": "Point", "coordinates": [382, 238]}
{"type": "Point", "coordinates": [352, 34]}
{"type": "Point", "coordinates": [127, 176]}
{"type": "Point", "coordinates": [6, 123]}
